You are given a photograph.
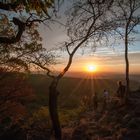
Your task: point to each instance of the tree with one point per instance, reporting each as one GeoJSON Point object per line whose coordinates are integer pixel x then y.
{"type": "Point", "coordinates": [19, 37]}
{"type": "Point", "coordinates": [20, 43]}
{"type": "Point", "coordinates": [87, 22]}
{"type": "Point", "coordinates": [17, 57]}
{"type": "Point", "coordinates": [128, 19]}
{"type": "Point", "coordinates": [36, 11]}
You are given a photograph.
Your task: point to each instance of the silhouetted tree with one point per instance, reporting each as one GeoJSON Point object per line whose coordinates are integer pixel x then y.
{"type": "Point", "coordinates": [19, 37]}
{"type": "Point", "coordinates": [128, 17]}
{"type": "Point", "coordinates": [20, 42]}
{"type": "Point", "coordinates": [87, 21]}
{"type": "Point", "coordinates": [23, 14]}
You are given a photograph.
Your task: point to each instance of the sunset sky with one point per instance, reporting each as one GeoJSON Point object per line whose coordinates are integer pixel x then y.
{"type": "Point", "coordinates": [107, 59]}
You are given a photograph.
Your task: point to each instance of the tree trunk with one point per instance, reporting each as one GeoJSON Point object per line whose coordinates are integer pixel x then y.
{"type": "Point", "coordinates": [53, 94]}
{"type": "Point", "coordinates": [127, 66]}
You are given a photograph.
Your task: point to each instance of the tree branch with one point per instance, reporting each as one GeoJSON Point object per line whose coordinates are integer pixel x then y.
{"type": "Point", "coordinates": [44, 68]}
{"type": "Point", "coordinates": [21, 28]}
{"type": "Point", "coordinates": [73, 52]}
{"type": "Point", "coordinates": [14, 39]}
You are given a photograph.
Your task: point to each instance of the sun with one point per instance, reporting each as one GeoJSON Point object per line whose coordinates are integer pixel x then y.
{"type": "Point", "coordinates": [91, 68]}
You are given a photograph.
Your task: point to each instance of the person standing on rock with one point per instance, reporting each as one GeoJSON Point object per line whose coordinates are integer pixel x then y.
{"type": "Point", "coordinates": [95, 101]}
{"type": "Point", "coordinates": [121, 90]}
{"type": "Point", "coordinates": [105, 98]}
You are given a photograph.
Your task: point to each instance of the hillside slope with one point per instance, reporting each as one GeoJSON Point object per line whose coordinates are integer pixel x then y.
{"type": "Point", "coordinates": [116, 122]}
{"type": "Point", "coordinates": [72, 89]}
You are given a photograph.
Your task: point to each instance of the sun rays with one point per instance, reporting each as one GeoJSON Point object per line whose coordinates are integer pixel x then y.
{"type": "Point", "coordinates": [91, 83]}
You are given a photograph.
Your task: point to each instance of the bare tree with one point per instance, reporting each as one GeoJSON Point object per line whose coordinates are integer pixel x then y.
{"type": "Point", "coordinates": [128, 17]}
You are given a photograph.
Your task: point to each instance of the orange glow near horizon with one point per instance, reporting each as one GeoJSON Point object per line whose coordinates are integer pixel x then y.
{"type": "Point", "coordinates": [97, 66]}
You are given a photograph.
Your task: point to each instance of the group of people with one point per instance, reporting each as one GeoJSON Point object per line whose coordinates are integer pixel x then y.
{"type": "Point", "coordinates": [106, 95]}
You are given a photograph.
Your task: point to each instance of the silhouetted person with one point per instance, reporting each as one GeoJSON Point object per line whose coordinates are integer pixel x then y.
{"type": "Point", "coordinates": [85, 101]}
{"type": "Point", "coordinates": [121, 90]}
{"type": "Point", "coordinates": [95, 101]}
{"type": "Point", "coordinates": [106, 95]}
{"type": "Point", "coordinates": [105, 98]}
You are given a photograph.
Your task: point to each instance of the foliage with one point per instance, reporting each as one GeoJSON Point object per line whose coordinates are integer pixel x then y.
{"type": "Point", "coordinates": [67, 116]}
{"type": "Point", "coordinates": [15, 93]}
{"type": "Point", "coordinates": [24, 15]}
{"type": "Point", "coordinates": [20, 42]}
{"type": "Point", "coordinates": [20, 55]}
{"type": "Point", "coordinates": [40, 115]}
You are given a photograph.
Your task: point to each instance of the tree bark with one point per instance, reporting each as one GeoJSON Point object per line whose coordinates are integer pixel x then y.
{"type": "Point", "coordinates": [127, 65]}
{"type": "Point", "coordinates": [53, 94]}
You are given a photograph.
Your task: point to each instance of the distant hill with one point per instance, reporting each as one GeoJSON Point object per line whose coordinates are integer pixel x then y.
{"type": "Point", "coordinates": [73, 89]}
